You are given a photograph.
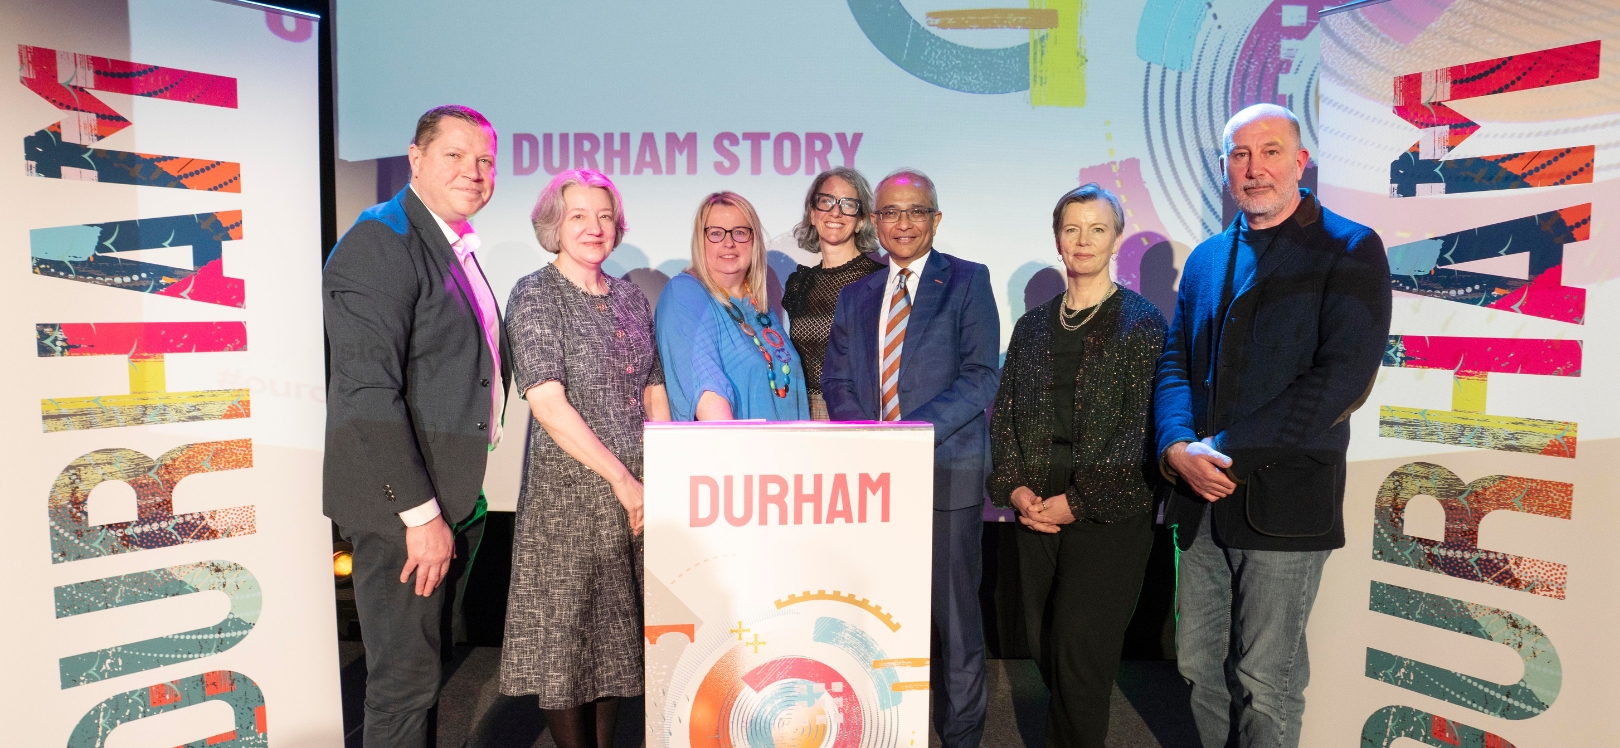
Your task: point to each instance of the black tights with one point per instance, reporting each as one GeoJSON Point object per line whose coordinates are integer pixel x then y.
{"type": "Point", "coordinates": [589, 725]}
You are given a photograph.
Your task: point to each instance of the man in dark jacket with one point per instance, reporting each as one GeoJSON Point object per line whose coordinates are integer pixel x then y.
{"type": "Point", "coordinates": [414, 404]}
{"type": "Point", "coordinates": [1280, 325]}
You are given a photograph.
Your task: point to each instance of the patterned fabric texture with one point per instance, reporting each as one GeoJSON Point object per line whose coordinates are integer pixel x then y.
{"type": "Point", "coordinates": [810, 298]}
{"type": "Point", "coordinates": [573, 620]}
{"type": "Point", "coordinates": [1115, 472]}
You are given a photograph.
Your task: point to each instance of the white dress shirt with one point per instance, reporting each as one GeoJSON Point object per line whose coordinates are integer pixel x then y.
{"type": "Point", "coordinates": [889, 286]}
{"type": "Point", "coordinates": [465, 245]}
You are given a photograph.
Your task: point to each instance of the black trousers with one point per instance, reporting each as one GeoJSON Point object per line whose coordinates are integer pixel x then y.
{"type": "Point", "coordinates": [1079, 590]}
{"type": "Point", "coordinates": [404, 633]}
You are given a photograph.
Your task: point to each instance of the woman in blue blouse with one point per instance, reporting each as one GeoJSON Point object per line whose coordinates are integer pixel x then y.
{"type": "Point", "coordinates": [726, 357]}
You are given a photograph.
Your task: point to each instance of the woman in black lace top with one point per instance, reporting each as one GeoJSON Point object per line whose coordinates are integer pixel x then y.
{"type": "Point", "coordinates": [837, 225]}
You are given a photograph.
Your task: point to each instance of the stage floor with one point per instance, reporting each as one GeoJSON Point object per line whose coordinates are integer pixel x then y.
{"type": "Point", "coordinates": [1149, 707]}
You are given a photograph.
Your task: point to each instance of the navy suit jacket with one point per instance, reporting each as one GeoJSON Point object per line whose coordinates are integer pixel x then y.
{"type": "Point", "coordinates": [1298, 351]}
{"type": "Point", "coordinates": [949, 367]}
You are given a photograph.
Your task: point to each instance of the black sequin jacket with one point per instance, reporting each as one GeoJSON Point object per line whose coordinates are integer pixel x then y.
{"type": "Point", "coordinates": [1115, 474]}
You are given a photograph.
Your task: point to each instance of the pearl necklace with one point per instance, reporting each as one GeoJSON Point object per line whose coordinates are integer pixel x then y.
{"type": "Point", "coordinates": [1064, 315]}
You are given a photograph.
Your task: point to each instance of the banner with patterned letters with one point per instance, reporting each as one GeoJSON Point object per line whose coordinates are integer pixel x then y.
{"type": "Point", "coordinates": [164, 399]}
{"type": "Point", "coordinates": [1474, 602]}
{"type": "Point", "coordinates": [787, 584]}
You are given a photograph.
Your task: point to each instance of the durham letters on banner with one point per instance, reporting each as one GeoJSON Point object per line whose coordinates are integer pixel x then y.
{"type": "Point", "coordinates": [166, 161]}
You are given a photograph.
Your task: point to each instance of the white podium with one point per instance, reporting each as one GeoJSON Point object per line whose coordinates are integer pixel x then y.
{"type": "Point", "coordinates": [787, 584]}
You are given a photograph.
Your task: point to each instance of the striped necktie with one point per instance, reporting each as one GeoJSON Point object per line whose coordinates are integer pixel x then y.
{"type": "Point", "coordinates": [894, 337]}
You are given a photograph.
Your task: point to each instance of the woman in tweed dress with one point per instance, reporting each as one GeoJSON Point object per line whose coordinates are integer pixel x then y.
{"type": "Point", "coordinates": [587, 364]}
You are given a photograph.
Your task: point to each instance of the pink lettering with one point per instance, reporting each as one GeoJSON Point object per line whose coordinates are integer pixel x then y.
{"type": "Point", "coordinates": [622, 153]}
{"type": "Point", "coordinates": [747, 503]}
{"type": "Point", "coordinates": [674, 146]}
{"type": "Point", "coordinates": [756, 142]}
{"type": "Point", "coordinates": [847, 147]}
{"type": "Point", "coordinates": [647, 155]}
{"type": "Point", "coordinates": [879, 486]}
{"type": "Point", "coordinates": [773, 492]}
{"type": "Point", "coordinates": [816, 147]}
{"type": "Point", "coordinates": [525, 153]}
{"type": "Point", "coordinates": [723, 143]}
{"type": "Point", "coordinates": [701, 519]}
{"type": "Point", "coordinates": [800, 498]}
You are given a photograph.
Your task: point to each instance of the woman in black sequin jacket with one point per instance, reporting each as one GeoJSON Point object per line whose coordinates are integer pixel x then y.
{"type": "Point", "coordinates": [1070, 446]}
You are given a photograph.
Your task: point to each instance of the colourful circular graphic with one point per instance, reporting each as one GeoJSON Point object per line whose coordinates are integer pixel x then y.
{"type": "Point", "coordinates": [943, 63]}
{"type": "Point", "coordinates": [1202, 67]}
{"type": "Point", "coordinates": [798, 675]}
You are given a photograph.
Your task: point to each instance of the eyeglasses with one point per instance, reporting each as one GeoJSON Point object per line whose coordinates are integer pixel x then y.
{"type": "Point", "coordinates": [917, 215]}
{"type": "Point", "coordinates": [849, 206]}
{"type": "Point", "coordinates": [741, 234]}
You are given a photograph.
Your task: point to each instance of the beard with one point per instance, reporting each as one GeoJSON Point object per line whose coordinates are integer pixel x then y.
{"type": "Point", "coordinates": [1267, 203]}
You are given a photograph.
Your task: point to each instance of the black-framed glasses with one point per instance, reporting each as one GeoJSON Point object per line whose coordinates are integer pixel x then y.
{"type": "Point", "coordinates": [917, 215]}
{"type": "Point", "coordinates": [849, 206]}
{"type": "Point", "coordinates": [741, 234]}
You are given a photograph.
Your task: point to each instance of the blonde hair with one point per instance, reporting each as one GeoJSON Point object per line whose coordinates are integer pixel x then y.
{"type": "Point", "coordinates": [757, 266]}
{"type": "Point", "coordinates": [550, 208]}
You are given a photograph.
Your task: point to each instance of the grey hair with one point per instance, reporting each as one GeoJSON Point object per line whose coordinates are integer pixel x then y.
{"type": "Point", "coordinates": [1086, 193]}
{"type": "Point", "coordinates": [865, 234]}
{"type": "Point", "coordinates": [916, 177]}
{"type": "Point", "coordinates": [550, 208]}
{"type": "Point", "coordinates": [1258, 112]}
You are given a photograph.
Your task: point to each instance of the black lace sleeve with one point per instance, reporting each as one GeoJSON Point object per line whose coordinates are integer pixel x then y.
{"type": "Point", "coordinates": [796, 293]}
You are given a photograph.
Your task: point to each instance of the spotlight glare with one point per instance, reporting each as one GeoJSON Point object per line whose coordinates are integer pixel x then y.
{"type": "Point", "coordinates": [342, 564]}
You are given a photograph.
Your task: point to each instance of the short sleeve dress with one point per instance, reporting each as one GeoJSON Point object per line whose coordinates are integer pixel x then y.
{"type": "Point", "coordinates": [573, 619]}
{"type": "Point", "coordinates": [704, 350]}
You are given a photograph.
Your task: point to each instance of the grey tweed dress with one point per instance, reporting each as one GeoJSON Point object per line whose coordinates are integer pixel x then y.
{"type": "Point", "coordinates": [573, 620]}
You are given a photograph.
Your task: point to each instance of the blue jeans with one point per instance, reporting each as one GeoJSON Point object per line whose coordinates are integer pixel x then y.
{"type": "Point", "coordinates": [1240, 639]}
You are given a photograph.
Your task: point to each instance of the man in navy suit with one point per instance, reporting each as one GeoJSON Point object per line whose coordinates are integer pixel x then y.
{"type": "Point", "coordinates": [1281, 322]}
{"type": "Point", "coordinates": [922, 343]}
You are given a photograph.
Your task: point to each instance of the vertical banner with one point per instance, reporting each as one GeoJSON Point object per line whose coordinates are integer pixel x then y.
{"type": "Point", "coordinates": [1473, 603]}
{"type": "Point", "coordinates": [163, 410]}
{"type": "Point", "coordinates": [787, 584]}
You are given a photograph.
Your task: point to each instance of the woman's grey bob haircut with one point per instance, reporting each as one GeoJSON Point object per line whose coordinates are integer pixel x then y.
{"type": "Point", "coordinates": [550, 209]}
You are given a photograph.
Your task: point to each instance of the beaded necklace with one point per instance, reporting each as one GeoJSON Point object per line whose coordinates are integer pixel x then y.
{"type": "Point", "coordinates": [775, 339]}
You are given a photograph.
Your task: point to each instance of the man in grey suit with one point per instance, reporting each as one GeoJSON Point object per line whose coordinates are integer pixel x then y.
{"type": "Point", "coordinates": [418, 382]}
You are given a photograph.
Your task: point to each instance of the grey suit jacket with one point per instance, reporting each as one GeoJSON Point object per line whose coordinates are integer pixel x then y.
{"type": "Point", "coordinates": [408, 401]}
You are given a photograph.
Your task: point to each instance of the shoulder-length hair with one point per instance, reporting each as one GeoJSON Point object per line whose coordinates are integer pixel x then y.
{"type": "Point", "coordinates": [756, 263]}
{"type": "Point", "coordinates": [865, 233]}
{"type": "Point", "coordinates": [550, 208]}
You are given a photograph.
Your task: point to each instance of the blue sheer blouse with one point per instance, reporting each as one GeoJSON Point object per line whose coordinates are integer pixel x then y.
{"type": "Point", "coordinates": [703, 349]}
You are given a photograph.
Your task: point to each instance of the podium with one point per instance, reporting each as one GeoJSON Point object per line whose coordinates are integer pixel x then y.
{"type": "Point", "coordinates": [787, 583]}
